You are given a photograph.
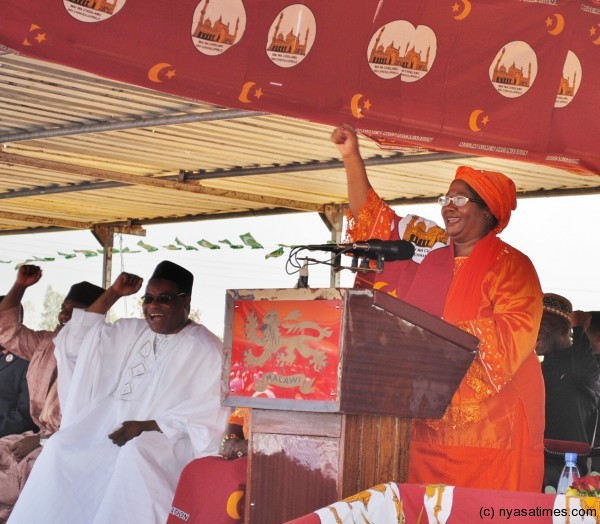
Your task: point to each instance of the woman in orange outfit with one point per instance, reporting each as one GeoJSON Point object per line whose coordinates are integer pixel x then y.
{"type": "Point", "coordinates": [491, 435]}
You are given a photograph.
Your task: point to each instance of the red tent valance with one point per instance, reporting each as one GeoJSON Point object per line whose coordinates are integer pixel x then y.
{"type": "Point", "coordinates": [516, 79]}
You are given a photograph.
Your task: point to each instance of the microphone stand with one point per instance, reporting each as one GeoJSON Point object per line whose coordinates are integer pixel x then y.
{"type": "Point", "coordinates": [364, 264]}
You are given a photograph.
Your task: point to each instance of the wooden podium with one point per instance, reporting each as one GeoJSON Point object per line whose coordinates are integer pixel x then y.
{"type": "Point", "coordinates": [333, 377]}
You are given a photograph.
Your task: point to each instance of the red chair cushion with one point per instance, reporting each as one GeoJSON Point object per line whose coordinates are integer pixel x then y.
{"type": "Point", "coordinates": [210, 489]}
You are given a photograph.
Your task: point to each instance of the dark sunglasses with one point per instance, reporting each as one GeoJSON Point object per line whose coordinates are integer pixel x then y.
{"type": "Point", "coordinates": [163, 298]}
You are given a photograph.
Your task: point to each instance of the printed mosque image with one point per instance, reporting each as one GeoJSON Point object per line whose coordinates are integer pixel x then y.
{"type": "Point", "coordinates": [104, 6]}
{"type": "Point", "coordinates": [215, 32]}
{"type": "Point", "coordinates": [565, 88]}
{"type": "Point", "coordinates": [513, 75]}
{"type": "Point", "coordinates": [419, 235]}
{"type": "Point", "coordinates": [290, 43]}
{"type": "Point", "coordinates": [391, 56]}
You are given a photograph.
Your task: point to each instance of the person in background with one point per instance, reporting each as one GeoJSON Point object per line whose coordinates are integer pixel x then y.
{"type": "Point", "coordinates": [235, 442]}
{"type": "Point", "coordinates": [592, 330]}
{"type": "Point", "coordinates": [571, 378]}
{"type": "Point", "coordinates": [140, 399]}
{"type": "Point", "coordinates": [491, 435]}
{"type": "Point", "coordinates": [19, 451]}
{"type": "Point", "coordinates": [14, 394]}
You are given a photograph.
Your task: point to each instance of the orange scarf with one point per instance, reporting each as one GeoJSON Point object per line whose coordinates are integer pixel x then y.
{"type": "Point", "coordinates": [464, 297]}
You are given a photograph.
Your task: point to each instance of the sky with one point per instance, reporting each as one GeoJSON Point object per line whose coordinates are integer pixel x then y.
{"type": "Point", "coordinates": [557, 233]}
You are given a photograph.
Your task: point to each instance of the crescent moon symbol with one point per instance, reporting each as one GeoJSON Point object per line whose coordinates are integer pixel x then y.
{"type": "Point", "coordinates": [466, 10]}
{"type": "Point", "coordinates": [356, 112]}
{"type": "Point", "coordinates": [560, 25]}
{"type": "Point", "coordinates": [232, 503]}
{"type": "Point", "coordinates": [32, 28]}
{"type": "Point", "coordinates": [473, 120]}
{"type": "Point", "coordinates": [245, 91]}
{"type": "Point", "coordinates": [379, 285]}
{"type": "Point", "coordinates": [597, 41]}
{"type": "Point", "coordinates": [154, 71]}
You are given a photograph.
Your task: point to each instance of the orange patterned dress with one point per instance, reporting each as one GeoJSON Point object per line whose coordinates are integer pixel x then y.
{"type": "Point", "coordinates": [491, 435]}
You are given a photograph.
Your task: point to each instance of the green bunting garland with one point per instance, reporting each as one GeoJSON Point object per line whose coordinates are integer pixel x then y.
{"type": "Point", "coordinates": [230, 244]}
{"type": "Point", "coordinates": [274, 254]}
{"type": "Point", "coordinates": [187, 248]}
{"type": "Point", "coordinates": [178, 245]}
{"type": "Point", "coordinates": [249, 240]}
{"type": "Point", "coordinates": [147, 247]}
{"type": "Point", "coordinates": [88, 253]}
{"type": "Point", "coordinates": [207, 244]}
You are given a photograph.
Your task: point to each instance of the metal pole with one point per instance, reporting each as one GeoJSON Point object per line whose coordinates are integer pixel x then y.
{"type": "Point", "coordinates": [209, 116]}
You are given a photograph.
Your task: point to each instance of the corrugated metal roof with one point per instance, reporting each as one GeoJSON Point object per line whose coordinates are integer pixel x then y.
{"type": "Point", "coordinates": [78, 151]}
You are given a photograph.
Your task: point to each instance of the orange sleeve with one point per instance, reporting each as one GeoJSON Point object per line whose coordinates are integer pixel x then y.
{"type": "Point", "coordinates": [507, 324]}
{"type": "Point", "coordinates": [374, 220]}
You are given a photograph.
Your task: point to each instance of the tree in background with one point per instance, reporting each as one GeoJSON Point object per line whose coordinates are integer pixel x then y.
{"type": "Point", "coordinates": [52, 303]}
{"type": "Point", "coordinates": [30, 317]}
{"type": "Point", "coordinates": [196, 316]}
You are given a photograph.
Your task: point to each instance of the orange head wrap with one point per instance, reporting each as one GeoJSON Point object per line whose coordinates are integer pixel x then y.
{"type": "Point", "coordinates": [497, 191]}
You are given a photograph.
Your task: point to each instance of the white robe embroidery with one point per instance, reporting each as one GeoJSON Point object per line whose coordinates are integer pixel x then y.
{"type": "Point", "coordinates": [109, 374]}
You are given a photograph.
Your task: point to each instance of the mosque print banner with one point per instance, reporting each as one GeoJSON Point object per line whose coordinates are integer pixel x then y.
{"type": "Point", "coordinates": [516, 79]}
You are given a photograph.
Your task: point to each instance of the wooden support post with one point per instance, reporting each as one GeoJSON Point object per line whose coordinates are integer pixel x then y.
{"type": "Point", "coordinates": [333, 217]}
{"type": "Point", "coordinates": [105, 235]}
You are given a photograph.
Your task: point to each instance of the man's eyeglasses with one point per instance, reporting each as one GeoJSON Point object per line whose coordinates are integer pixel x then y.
{"type": "Point", "coordinates": [163, 298]}
{"type": "Point", "coordinates": [458, 201]}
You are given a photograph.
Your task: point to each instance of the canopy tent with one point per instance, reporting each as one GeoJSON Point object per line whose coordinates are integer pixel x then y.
{"type": "Point", "coordinates": [207, 108]}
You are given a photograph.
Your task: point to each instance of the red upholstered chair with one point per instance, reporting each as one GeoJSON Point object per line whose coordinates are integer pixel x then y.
{"type": "Point", "coordinates": [554, 460]}
{"type": "Point", "coordinates": [561, 447]}
{"type": "Point", "coordinates": [210, 491]}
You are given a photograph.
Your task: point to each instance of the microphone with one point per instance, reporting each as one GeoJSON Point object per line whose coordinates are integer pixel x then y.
{"type": "Point", "coordinates": [303, 276]}
{"type": "Point", "coordinates": [389, 250]}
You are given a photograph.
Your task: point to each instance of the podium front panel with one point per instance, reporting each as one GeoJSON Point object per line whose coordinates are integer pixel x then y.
{"type": "Point", "coordinates": [284, 349]}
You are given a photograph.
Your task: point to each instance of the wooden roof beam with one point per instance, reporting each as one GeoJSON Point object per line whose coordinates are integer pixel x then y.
{"type": "Point", "coordinates": [172, 185]}
{"type": "Point", "coordinates": [49, 221]}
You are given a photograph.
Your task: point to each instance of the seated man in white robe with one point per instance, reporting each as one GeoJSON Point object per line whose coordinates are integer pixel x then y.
{"type": "Point", "coordinates": [140, 399]}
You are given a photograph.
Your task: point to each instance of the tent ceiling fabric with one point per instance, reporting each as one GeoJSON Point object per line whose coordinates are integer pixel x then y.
{"type": "Point", "coordinates": [79, 150]}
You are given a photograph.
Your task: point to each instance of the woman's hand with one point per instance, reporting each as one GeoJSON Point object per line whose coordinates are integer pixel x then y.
{"type": "Point", "coordinates": [344, 137]}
